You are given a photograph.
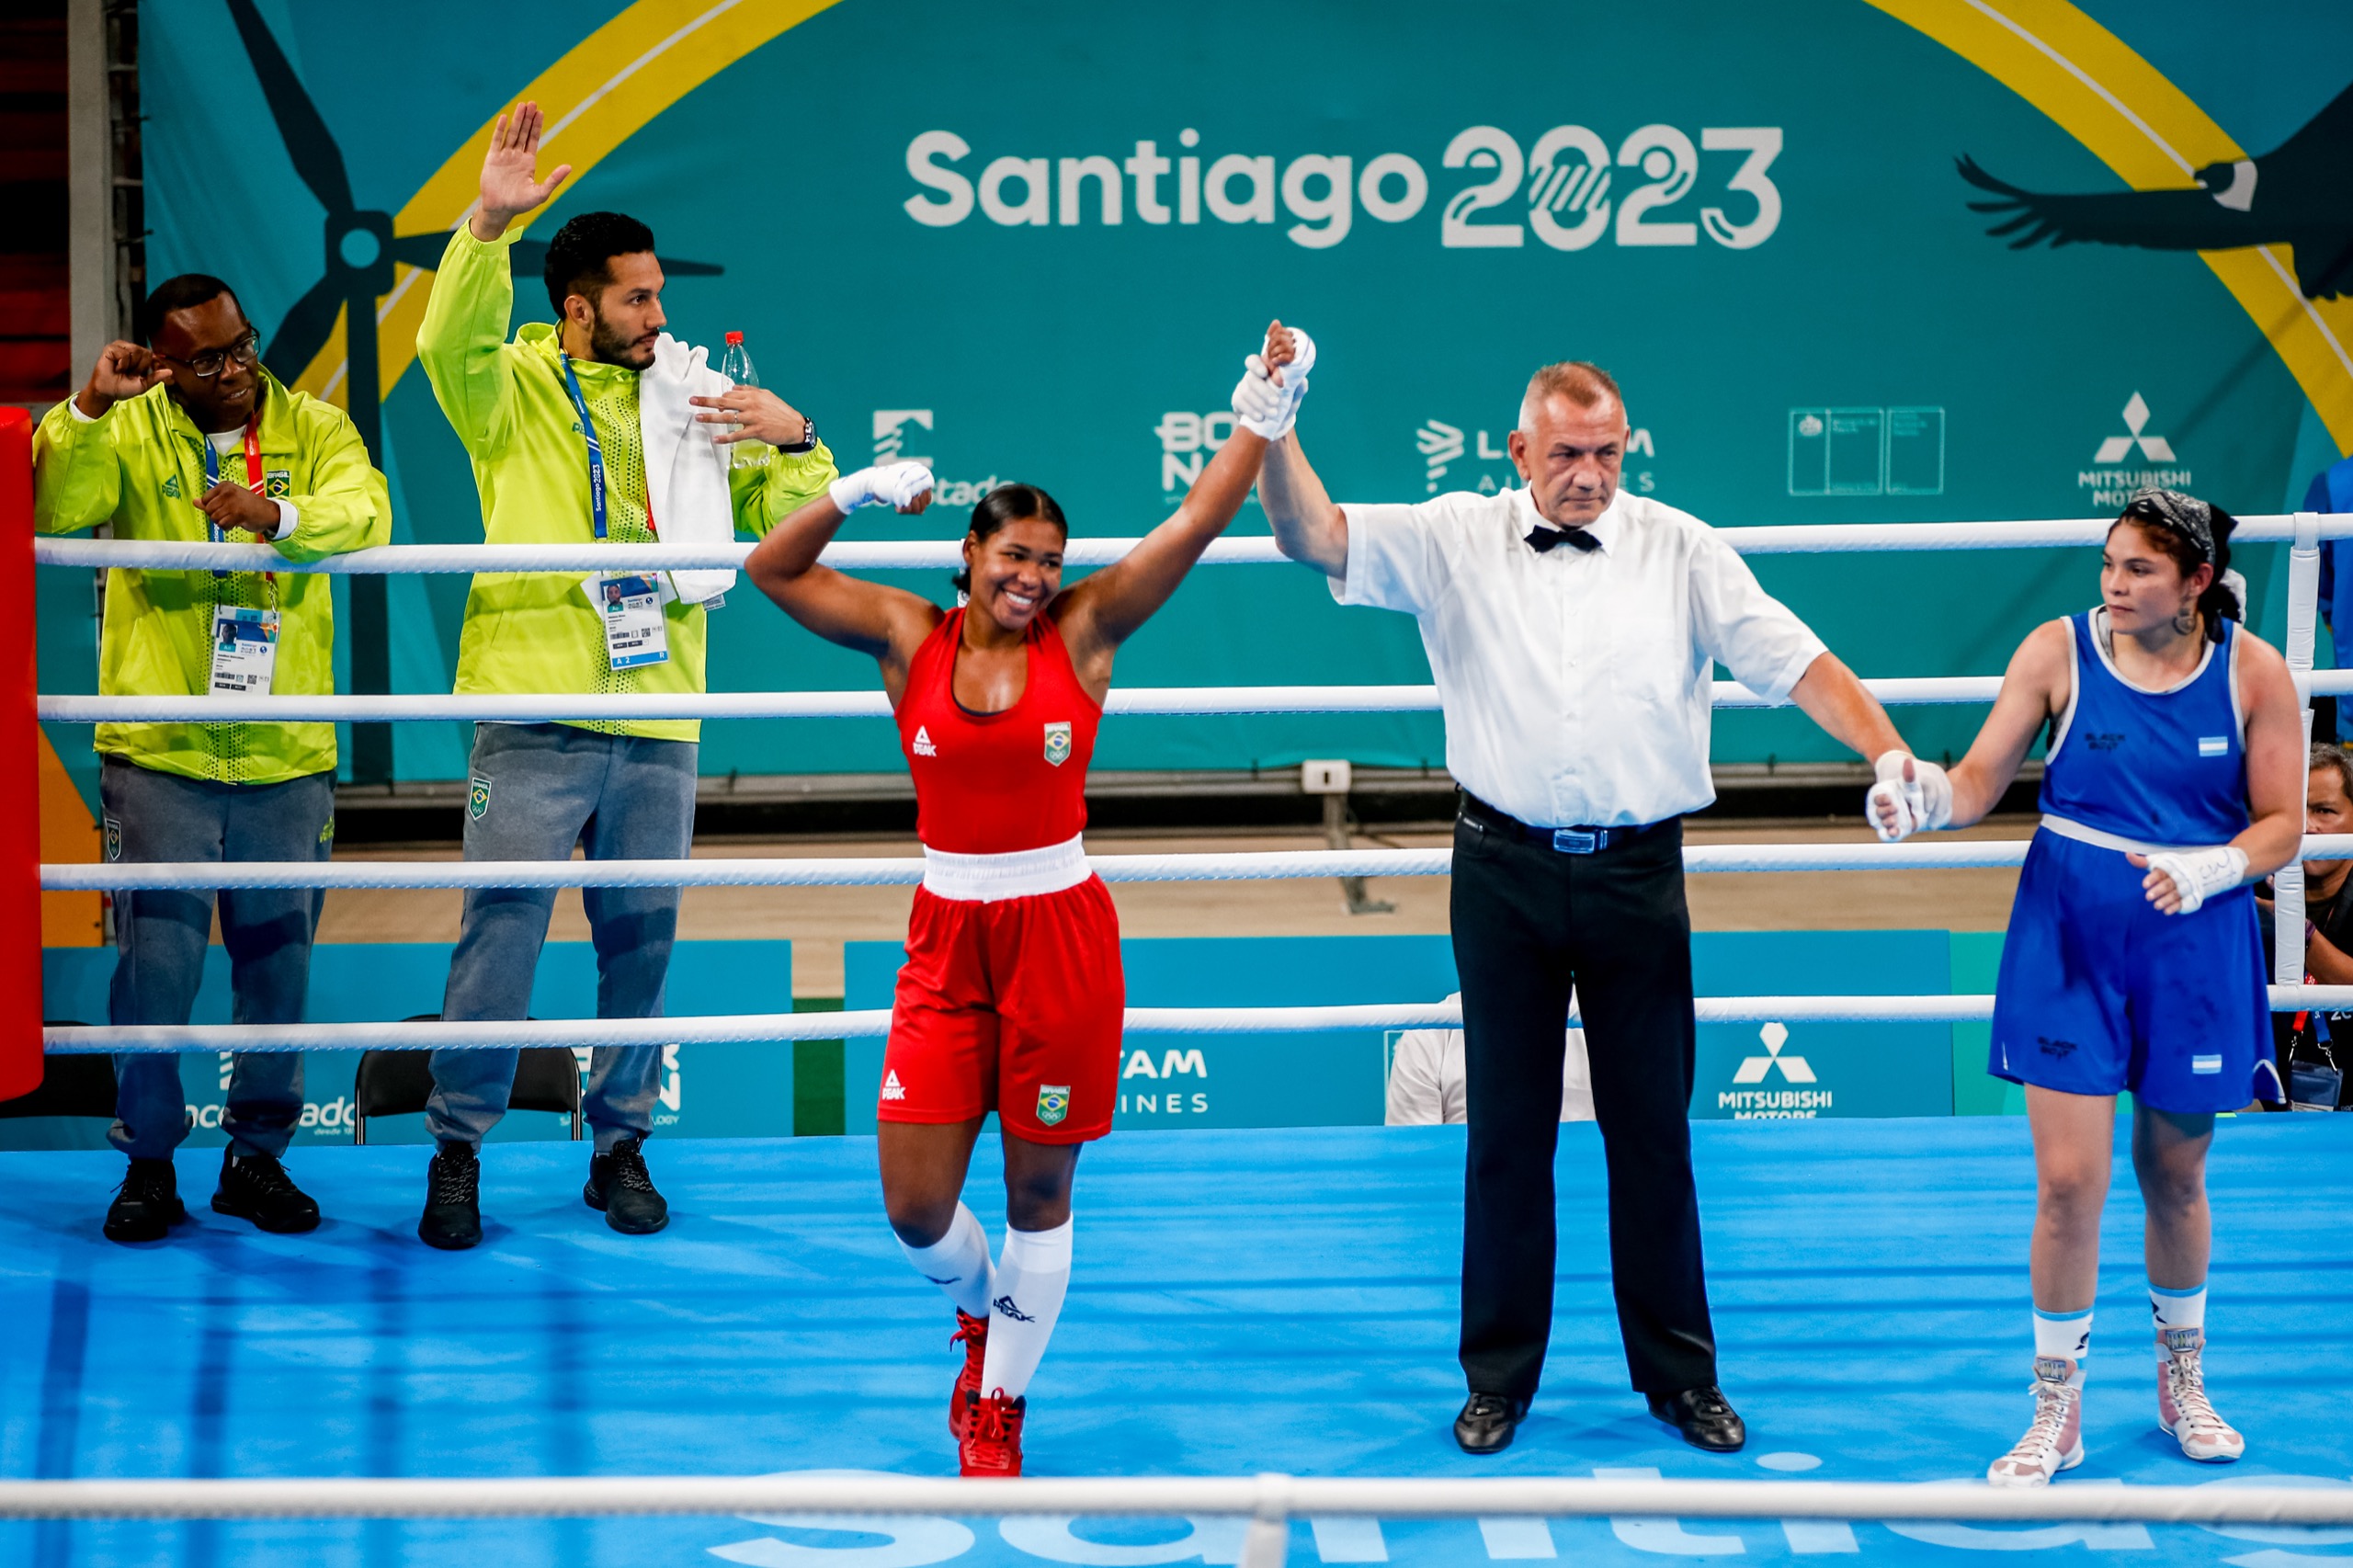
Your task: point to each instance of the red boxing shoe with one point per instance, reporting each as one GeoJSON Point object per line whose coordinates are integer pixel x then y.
{"type": "Point", "coordinates": [972, 1333]}
{"type": "Point", "coordinates": [991, 1442]}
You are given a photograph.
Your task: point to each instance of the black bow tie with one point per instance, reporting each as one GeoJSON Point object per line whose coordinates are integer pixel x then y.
{"type": "Point", "coordinates": [1541, 539]}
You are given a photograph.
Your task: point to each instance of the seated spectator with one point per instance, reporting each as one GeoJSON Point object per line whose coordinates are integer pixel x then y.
{"type": "Point", "coordinates": [2301, 1039]}
{"type": "Point", "coordinates": [1425, 1077]}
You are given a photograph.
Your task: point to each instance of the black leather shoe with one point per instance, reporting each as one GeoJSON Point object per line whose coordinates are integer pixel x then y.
{"type": "Point", "coordinates": [1704, 1416]}
{"type": "Point", "coordinates": [256, 1187]}
{"type": "Point", "coordinates": [1488, 1421]}
{"type": "Point", "coordinates": [452, 1219]}
{"type": "Point", "coordinates": [620, 1183]}
{"type": "Point", "coordinates": [147, 1204]}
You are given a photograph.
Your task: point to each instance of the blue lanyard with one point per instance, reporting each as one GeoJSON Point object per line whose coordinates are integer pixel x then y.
{"type": "Point", "coordinates": [596, 447]}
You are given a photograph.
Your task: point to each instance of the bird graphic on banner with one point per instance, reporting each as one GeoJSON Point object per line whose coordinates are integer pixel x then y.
{"type": "Point", "coordinates": [2300, 195]}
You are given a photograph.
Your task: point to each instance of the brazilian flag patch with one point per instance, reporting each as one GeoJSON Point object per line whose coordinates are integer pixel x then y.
{"type": "Point", "coordinates": [1053, 1103]}
{"type": "Point", "coordinates": [478, 798]}
{"type": "Point", "coordinates": [277, 484]}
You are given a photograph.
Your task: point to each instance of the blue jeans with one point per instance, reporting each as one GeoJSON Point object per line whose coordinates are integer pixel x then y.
{"type": "Point", "coordinates": [535, 790]}
{"type": "Point", "coordinates": [160, 937]}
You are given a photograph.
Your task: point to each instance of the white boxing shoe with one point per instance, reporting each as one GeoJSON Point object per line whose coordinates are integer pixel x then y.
{"type": "Point", "coordinates": [2182, 1406]}
{"type": "Point", "coordinates": [2055, 1442]}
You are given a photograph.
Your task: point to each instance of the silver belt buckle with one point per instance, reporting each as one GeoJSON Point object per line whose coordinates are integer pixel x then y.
{"type": "Point", "coordinates": [1575, 841]}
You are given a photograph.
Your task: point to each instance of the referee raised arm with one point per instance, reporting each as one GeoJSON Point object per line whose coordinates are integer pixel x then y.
{"type": "Point", "coordinates": [1573, 631]}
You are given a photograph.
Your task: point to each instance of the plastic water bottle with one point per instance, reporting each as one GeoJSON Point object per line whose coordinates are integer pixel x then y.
{"type": "Point", "coordinates": [736, 366]}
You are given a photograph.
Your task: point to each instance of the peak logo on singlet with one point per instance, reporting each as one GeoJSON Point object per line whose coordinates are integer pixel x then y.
{"type": "Point", "coordinates": [923, 743]}
{"type": "Point", "coordinates": [2105, 741]}
{"type": "Point", "coordinates": [892, 1088]}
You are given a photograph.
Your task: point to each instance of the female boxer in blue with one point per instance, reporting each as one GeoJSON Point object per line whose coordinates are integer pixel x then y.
{"type": "Point", "coordinates": [2175, 775]}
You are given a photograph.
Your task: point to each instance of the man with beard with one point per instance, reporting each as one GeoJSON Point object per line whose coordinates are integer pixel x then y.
{"type": "Point", "coordinates": [581, 431]}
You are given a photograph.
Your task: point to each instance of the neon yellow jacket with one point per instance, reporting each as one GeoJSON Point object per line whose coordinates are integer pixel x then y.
{"type": "Point", "coordinates": [141, 464]}
{"type": "Point", "coordinates": [530, 633]}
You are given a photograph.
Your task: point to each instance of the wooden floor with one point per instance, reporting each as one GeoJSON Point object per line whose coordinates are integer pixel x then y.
{"type": "Point", "coordinates": [817, 921]}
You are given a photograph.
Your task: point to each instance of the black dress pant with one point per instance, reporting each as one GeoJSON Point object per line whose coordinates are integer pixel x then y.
{"type": "Point", "coordinates": [1529, 923]}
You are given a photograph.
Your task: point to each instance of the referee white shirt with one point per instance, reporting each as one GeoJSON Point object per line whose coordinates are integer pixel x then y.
{"type": "Point", "coordinates": [1576, 683]}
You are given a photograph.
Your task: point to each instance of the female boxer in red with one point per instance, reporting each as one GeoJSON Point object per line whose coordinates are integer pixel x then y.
{"type": "Point", "coordinates": [1012, 995]}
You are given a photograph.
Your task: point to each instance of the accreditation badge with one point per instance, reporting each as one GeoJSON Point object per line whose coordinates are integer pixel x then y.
{"type": "Point", "coordinates": [1057, 742]}
{"type": "Point", "coordinates": [631, 606]}
{"type": "Point", "coordinates": [244, 651]}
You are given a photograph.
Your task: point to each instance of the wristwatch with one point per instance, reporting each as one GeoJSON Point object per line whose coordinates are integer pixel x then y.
{"type": "Point", "coordinates": [807, 442]}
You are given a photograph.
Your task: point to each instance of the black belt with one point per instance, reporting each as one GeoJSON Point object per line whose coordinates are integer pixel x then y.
{"type": "Point", "coordinates": [1566, 840]}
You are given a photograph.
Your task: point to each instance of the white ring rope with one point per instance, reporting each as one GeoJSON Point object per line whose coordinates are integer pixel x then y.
{"type": "Point", "coordinates": [875, 1023]}
{"type": "Point", "coordinates": [546, 707]}
{"type": "Point", "coordinates": [1265, 1498]}
{"type": "Point", "coordinates": [172, 555]}
{"type": "Point", "coordinates": [903, 870]}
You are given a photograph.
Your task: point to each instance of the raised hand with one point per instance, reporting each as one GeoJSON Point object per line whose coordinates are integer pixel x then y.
{"type": "Point", "coordinates": [124, 370]}
{"type": "Point", "coordinates": [511, 185]}
{"type": "Point", "coordinates": [1266, 401]}
{"type": "Point", "coordinates": [906, 486]}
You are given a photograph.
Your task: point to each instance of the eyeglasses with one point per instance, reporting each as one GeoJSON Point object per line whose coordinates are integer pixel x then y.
{"type": "Point", "coordinates": [212, 361]}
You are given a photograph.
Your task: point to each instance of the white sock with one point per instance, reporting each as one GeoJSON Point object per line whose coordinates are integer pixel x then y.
{"type": "Point", "coordinates": [2066, 1335]}
{"type": "Point", "coordinates": [958, 1263]}
{"type": "Point", "coordinates": [2178, 1309]}
{"type": "Point", "coordinates": [1032, 1274]}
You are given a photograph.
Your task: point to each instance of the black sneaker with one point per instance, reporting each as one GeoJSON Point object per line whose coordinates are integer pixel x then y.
{"type": "Point", "coordinates": [452, 1219]}
{"type": "Point", "coordinates": [147, 1204]}
{"type": "Point", "coordinates": [256, 1187]}
{"type": "Point", "coordinates": [619, 1185]}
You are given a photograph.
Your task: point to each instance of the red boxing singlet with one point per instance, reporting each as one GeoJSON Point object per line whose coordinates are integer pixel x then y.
{"type": "Point", "coordinates": [995, 783]}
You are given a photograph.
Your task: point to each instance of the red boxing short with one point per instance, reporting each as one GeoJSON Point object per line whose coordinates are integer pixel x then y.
{"type": "Point", "coordinates": [1010, 1004]}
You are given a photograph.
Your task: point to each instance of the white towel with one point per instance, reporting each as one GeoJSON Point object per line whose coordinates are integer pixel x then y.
{"type": "Point", "coordinates": [685, 472]}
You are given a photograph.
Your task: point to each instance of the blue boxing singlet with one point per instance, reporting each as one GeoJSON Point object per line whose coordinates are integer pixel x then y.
{"type": "Point", "coordinates": [2131, 769]}
{"type": "Point", "coordinates": [2098, 991]}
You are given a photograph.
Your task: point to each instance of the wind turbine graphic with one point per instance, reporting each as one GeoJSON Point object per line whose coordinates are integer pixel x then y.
{"type": "Point", "coordinates": [360, 251]}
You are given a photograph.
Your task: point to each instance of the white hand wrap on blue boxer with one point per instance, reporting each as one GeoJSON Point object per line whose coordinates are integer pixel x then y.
{"type": "Point", "coordinates": [2198, 874]}
{"type": "Point", "coordinates": [1925, 803]}
{"type": "Point", "coordinates": [892, 485]}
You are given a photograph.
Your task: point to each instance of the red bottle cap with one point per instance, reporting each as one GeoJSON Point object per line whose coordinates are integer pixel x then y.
{"type": "Point", "coordinates": [734, 338]}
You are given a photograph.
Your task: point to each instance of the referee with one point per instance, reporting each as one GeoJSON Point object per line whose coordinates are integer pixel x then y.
{"type": "Point", "coordinates": [1573, 631]}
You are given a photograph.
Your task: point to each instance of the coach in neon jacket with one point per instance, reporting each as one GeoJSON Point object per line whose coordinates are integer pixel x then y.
{"type": "Point", "coordinates": [187, 438]}
{"type": "Point", "coordinates": [620, 789]}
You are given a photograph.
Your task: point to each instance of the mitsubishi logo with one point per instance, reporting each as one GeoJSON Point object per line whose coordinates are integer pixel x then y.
{"type": "Point", "coordinates": [2115, 448]}
{"type": "Point", "coordinates": [1753, 1069]}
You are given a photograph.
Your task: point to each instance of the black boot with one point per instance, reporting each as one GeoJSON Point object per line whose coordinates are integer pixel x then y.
{"type": "Point", "coordinates": [452, 1219]}
{"type": "Point", "coordinates": [256, 1187]}
{"type": "Point", "coordinates": [619, 1185]}
{"type": "Point", "coordinates": [147, 1204]}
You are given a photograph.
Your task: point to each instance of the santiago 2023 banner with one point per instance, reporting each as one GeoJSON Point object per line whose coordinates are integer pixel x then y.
{"type": "Point", "coordinates": [1035, 240]}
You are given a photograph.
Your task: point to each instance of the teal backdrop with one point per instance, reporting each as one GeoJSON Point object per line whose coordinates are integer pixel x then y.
{"type": "Point", "coordinates": [911, 202]}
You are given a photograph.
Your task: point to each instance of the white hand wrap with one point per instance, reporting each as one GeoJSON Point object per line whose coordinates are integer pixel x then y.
{"type": "Point", "coordinates": [2198, 874]}
{"type": "Point", "coordinates": [892, 485]}
{"type": "Point", "coordinates": [1265, 409]}
{"type": "Point", "coordinates": [1925, 803]}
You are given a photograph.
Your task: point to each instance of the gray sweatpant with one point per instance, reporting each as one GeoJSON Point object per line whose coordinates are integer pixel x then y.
{"type": "Point", "coordinates": [160, 937]}
{"type": "Point", "coordinates": [534, 791]}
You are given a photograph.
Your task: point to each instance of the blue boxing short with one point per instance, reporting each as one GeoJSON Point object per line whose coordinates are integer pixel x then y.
{"type": "Point", "coordinates": [2101, 993]}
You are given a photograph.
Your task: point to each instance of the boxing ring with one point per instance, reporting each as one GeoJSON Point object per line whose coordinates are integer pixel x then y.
{"type": "Point", "coordinates": [1928, 1222]}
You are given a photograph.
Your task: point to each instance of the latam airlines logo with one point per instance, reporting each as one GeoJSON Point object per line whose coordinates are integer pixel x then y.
{"type": "Point", "coordinates": [1442, 446]}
